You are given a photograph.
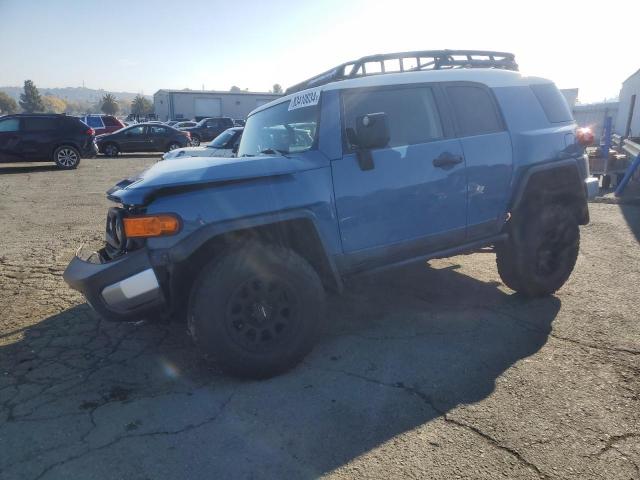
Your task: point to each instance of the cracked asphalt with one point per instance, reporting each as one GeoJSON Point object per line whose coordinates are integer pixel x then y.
{"type": "Point", "coordinates": [433, 371]}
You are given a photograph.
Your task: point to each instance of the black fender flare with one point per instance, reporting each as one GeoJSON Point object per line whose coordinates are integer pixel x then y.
{"type": "Point", "coordinates": [553, 181]}
{"type": "Point", "coordinates": [183, 250]}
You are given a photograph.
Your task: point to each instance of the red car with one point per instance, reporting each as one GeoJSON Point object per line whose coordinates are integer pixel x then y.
{"type": "Point", "coordinates": [103, 123]}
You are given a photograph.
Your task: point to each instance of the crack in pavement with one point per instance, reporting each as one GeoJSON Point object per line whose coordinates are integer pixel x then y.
{"type": "Point", "coordinates": [445, 416]}
{"type": "Point", "coordinates": [118, 439]}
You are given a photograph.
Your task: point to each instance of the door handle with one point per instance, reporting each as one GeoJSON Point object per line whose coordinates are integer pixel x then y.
{"type": "Point", "coordinates": [446, 160]}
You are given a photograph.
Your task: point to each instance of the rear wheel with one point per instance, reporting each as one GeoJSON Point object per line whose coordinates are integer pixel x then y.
{"type": "Point", "coordinates": [195, 140]}
{"type": "Point", "coordinates": [111, 150]}
{"type": "Point", "coordinates": [257, 310]}
{"type": "Point", "coordinates": [541, 252]}
{"type": "Point", "coordinates": [173, 146]}
{"type": "Point", "coordinates": [66, 157]}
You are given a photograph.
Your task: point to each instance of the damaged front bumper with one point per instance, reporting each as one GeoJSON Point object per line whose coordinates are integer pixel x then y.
{"type": "Point", "coordinates": [123, 289]}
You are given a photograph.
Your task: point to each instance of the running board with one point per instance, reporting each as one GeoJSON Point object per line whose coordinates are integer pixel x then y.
{"type": "Point", "coordinates": [466, 248]}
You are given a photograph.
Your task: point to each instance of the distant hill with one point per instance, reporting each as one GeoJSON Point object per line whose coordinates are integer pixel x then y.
{"type": "Point", "coordinates": [74, 94]}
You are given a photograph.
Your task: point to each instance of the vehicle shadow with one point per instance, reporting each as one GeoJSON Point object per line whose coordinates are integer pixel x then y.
{"type": "Point", "coordinates": [631, 214]}
{"type": "Point", "coordinates": [401, 349]}
{"type": "Point", "coordinates": [29, 168]}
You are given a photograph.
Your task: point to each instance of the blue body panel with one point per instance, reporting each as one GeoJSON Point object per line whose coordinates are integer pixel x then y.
{"type": "Point", "coordinates": [489, 170]}
{"type": "Point", "coordinates": [403, 197]}
{"type": "Point", "coordinates": [534, 139]}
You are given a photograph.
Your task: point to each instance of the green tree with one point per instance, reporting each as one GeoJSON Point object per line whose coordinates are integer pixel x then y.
{"type": "Point", "coordinates": [7, 104]}
{"type": "Point", "coordinates": [30, 100]}
{"type": "Point", "coordinates": [109, 104]}
{"type": "Point", "coordinates": [53, 104]}
{"type": "Point", "coordinates": [141, 106]}
{"type": "Point", "coordinates": [277, 88]}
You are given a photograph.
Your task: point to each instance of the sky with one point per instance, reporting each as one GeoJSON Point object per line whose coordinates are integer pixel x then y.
{"type": "Point", "coordinates": [142, 46]}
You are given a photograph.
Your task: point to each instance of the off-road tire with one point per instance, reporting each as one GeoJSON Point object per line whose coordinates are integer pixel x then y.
{"type": "Point", "coordinates": [66, 157]}
{"type": "Point", "coordinates": [243, 296]}
{"type": "Point", "coordinates": [506, 262]}
{"type": "Point", "coordinates": [541, 251]}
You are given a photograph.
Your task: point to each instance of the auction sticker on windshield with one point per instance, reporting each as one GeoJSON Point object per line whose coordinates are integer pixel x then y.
{"type": "Point", "coordinates": [305, 99]}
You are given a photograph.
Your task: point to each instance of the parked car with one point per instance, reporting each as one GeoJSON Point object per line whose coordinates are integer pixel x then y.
{"type": "Point", "coordinates": [46, 137]}
{"type": "Point", "coordinates": [239, 122]}
{"type": "Point", "coordinates": [103, 123]}
{"type": "Point", "coordinates": [207, 129]}
{"type": "Point", "coordinates": [185, 124]}
{"type": "Point", "coordinates": [171, 123]}
{"type": "Point", "coordinates": [142, 137]}
{"type": "Point", "coordinates": [224, 145]}
{"type": "Point", "coordinates": [406, 166]}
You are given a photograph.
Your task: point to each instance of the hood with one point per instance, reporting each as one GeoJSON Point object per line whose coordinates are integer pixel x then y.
{"type": "Point", "coordinates": [185, 152]}
{"type": "Point", "coordinates": [194, 172]}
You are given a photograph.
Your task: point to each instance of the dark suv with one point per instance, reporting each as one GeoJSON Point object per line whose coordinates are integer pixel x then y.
{"type": "Point", "coordinates": [46, 137]}
{"type": "Point", "coordinates": [208, 128]}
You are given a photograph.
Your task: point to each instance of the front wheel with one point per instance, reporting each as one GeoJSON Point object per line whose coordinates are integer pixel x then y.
{"type": "Point", "coordinates": [66, 157]}
{"type": "Point", "coordinates": [541, 252]}
{"type": "Point", "coordinates": [111, 150]}
{"type": "Point", "coordinates": [257, 310]}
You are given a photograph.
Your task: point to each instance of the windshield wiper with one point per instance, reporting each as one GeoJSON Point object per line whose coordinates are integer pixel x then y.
{"type": "Point", "coordinates": [274, 151]}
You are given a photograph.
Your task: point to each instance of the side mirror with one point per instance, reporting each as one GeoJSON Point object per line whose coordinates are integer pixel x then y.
{"type": "Point", "coordinates": [372, 131]}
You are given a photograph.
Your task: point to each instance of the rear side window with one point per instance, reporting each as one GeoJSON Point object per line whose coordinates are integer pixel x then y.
{"type": "Point", "coordinates": [110, 122]}
{"type": "Point", "coordinates": [475, 110]}
{"type": "Point", "coordinates": [412, 114]}
{"type": "Point", "coordinates": [39, 124]}
{"type": "Point", "coordinates": [9, 125]}
{"type": "Point", "coordinates": [94, 122]}
{"type": "Point", "coordinates": [553, 103]}
{"type": "Point", "coordinates": [158, 130]}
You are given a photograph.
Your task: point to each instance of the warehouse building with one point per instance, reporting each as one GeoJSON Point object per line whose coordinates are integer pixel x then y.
{"type": "Point", "coordinates": [198, 104]}
{"type": "Point", "coordinates": [628, 120]}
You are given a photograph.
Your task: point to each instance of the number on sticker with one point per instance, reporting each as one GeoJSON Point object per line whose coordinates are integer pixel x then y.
{"type": "Point", "coordinates": [305, 99]}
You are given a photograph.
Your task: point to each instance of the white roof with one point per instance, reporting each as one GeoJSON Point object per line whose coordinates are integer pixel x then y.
{"type": "Point", "coordinates": [490, 77]}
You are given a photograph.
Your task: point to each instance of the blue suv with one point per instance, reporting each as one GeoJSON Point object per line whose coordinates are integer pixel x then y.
{"type": "Point", "coordinates": [379, 162]}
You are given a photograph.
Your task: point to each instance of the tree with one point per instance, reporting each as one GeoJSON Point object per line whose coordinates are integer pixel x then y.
{"type": "Point", "coordinates": [235, 88]}
{"type": "Point", "coordinates": [7, 104]}
{"type": "Point", "coordinates": [30, 100]}
{"type": "Point", "coordinates": [277, 88]}
{"type": "Point", "coordinates": [53, 104]}
{"type": "Point", "coordinates": [141, 106]}
{"type": "Point", "coordinates": [109, 104]}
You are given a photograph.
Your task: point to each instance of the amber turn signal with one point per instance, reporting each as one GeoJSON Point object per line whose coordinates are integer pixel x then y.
{"type": "Point", "coordinates": [151, 225]}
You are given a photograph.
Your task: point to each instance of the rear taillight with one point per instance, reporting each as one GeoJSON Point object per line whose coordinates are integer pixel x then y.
{"type": "Point", "coordinates": [187, 134]}
{"type": "Point", "coordinates": [585, 136]}
{"type": "Point", "coordinates": [91, 131]}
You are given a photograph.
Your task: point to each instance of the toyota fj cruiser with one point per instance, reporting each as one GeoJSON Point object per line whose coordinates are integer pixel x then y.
{"type": "Point", "coordinates": [378, 162]}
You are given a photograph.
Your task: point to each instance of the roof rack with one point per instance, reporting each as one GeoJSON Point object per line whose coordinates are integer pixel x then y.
{"type": "Point", "coordinates": [410, 62]}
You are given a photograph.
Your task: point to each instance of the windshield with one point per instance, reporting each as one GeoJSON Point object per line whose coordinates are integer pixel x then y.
{"type": "Point", "coordinates": [280, 130]}
{"type": "Point", "coordinates": [221, 140]}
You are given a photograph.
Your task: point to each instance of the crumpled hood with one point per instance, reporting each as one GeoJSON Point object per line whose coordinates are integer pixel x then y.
{"type": "Point", "coordinates": [192, 171]}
